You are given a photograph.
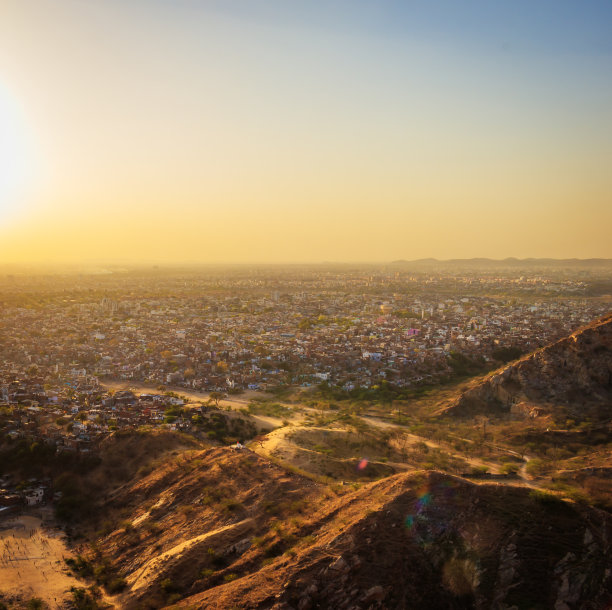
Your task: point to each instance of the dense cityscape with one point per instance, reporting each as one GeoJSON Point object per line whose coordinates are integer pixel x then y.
{"type": "Point", "coordinates": [226, 356]}
{"type": "Point", "coordinates": [258, 330]}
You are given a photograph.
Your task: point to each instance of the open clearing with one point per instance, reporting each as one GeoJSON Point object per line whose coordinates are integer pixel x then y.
{"type": "Point", "coordinates": [32, 562]}
{"type": "Point", "coordinates": [139, 387]}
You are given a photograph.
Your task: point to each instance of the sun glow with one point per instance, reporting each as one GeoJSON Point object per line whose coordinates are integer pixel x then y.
{"type": "Point", "coordinates": [15, 160]}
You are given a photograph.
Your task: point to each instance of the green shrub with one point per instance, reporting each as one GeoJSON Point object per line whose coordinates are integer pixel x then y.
{"type": "Point", "coordinates": [231, 505]}
{"type": "Point", "coordinates": [116, 585]}
{"type": "Point", "coordinates": [85, 600]}
{"type": "Point", "coordinates": [509, 469]}
{"type": "Point", "coordinates": [545, 497]}
{"type": "Point", "coordinates": [167, 586]}
{"type": "Point", "coordinates": [80, 566]}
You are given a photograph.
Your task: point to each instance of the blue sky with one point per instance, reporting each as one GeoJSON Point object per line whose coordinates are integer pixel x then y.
{"type": "Point", "coordinates": [454, 117]}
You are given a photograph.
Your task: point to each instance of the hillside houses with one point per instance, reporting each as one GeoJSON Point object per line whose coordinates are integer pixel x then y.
{"type": "Point", "coordinates": [76, 422]}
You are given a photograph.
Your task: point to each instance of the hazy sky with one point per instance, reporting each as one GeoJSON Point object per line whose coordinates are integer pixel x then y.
{"type": "Point", "coordinates": [289, 131]}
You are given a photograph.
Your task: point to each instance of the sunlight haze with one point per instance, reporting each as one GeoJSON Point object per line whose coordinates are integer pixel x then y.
{"type": "Point", "coordinates": [146, 131]}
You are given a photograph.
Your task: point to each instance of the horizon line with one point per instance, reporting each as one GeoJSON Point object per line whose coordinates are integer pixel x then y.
{"type": "Point", "coordinates": [191, 263]}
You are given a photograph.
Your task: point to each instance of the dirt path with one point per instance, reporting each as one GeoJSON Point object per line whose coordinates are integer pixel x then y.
{"type": "Point", "coordinates": [414, 438]}
{"type": "Point", "coordinates": [277, 443]}
{"type": "Point", "coordinates": [146, 574]}
{"type": "Point", "coordinates": [32, 562]}
{"type": "Point", "coordinates": [263, 422]}
{"type": "Point", "coordinates": [139, 387]}
{"type": "Point", "coordinates": [523, 478]}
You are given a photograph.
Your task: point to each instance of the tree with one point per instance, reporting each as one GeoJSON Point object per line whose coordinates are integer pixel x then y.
{"type": "Point", "coordinates": [506, 354]}
{"type": "Point", "coordinates": [216, 397]}
{"type": "Point", "coordinates": [482, 420]}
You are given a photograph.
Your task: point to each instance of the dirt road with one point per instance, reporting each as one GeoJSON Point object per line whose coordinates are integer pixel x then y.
{"type": "Point", "coordinates": [263, 422]}
{"type": "Point", "coordinates": [277, 442]}
{"type": "Point", "coordinates": [139, 387]}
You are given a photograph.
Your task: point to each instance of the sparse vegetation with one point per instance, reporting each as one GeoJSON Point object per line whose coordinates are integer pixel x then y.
{"type": "Point", "coordinates": [86, 599]}
{"type": "Point", "coordinates": [544, 497]}
{"type": "Point", "coordinates": [269, 408]}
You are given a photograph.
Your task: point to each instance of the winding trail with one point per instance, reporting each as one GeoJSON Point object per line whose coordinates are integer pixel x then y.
{"type": "Point", "coordinates": [278, 442]}
{"type": "Point", "coordinates": [524, 479]}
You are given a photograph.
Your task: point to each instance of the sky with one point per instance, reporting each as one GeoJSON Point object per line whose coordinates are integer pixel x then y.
{"type": "Point", "coordinates": [304, 131]}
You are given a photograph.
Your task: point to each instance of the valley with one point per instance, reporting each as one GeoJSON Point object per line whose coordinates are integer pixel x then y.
{"type": "Point", "coordinates": [489, 487]}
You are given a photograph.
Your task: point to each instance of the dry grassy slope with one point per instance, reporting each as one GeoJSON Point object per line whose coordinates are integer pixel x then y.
{"type": "Point", "coordinates": [131, 453]}
{"type": "Point", "coordinates": [436, 541]}
{"type": "Point", "coordinates": [327, 452]}
{"type": "Point", "coordinates": [190, 512]}
{"type": "Point", "coordinates": [575, 372]}
{"type": "Point", "coordinates": [223, 529]}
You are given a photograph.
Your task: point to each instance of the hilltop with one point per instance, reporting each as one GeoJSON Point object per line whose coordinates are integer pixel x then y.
{"type": "Point", "coordinates": [223, 529]}
{"type": "Point", "coordinates": [573, 374]}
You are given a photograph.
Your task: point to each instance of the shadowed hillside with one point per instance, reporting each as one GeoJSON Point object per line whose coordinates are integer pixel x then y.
{"type": "Point", "coordinates": [575, 373]}
{"type": "Point", "coordinates": [225, 529]}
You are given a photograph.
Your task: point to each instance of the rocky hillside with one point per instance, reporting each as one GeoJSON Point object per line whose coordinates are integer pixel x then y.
{"type": "Point", "coordinates": [575, 372]}
{"type": "Point", "coordinates": [435, 541]}
{"type": "Point", "coordinates": [181, 527]}
{"type": "Point", "coordinates": [225, 529]}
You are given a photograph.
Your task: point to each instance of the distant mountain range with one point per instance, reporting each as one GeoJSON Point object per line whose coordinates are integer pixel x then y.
{"type": "Point", "coordinates": [508, 262]}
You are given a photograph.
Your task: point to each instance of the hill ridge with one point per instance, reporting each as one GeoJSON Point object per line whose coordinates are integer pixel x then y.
{"type": "Point", "coordinates": [242, 532]}
{"type": "Point", "coordinates": [574, 372]}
